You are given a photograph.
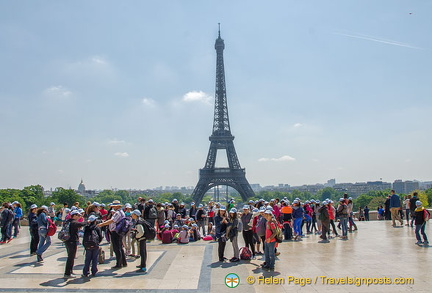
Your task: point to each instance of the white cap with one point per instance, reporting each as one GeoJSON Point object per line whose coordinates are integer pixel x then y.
{"type": "Point", "coordinates": [92, 218]}
{"type": "Point", "coordinates": [245, 207]}
{"type": "Point", "coordinates": [233, 210]}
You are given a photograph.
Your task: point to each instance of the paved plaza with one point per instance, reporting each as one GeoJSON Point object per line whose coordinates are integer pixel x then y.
{"type": "Point", "coordinates": [377, 250]}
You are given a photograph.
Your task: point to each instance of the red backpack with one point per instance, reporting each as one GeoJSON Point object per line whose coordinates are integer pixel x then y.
{"type": "Point", "coordinates": [52, 228]}
{"type": "Point", "coordinates": [426, 215]}
{"type": "Point", "coordinates": [245, 253]}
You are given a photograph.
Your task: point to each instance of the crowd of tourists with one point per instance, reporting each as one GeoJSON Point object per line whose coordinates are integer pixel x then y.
{"type": "Point", "coordinates": [127, 228]}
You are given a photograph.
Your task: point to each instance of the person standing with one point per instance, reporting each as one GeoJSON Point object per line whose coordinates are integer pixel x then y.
{"type": "Point", "coordinates": [33, 227]}
{"type": "Point", "coordinates": [221, 223]}
{"type": "Point", "coordinates": [395, 206]}
{"type": "Point", "coordinates": [366, 213]}
{"type": "Point", "coordinates": [6, 222]}
{"type": "Point", "coordinates": [201, 218]}
{"type": "Point", "coordinates": [232, 233]}
{"type": "Point", "coordinates": [421, 215]}
{"type": "Point", "coordinates": [116, 238]}
{"type": "Point", "coordinates": [325, 221]}
{"type": "Point", "coordinates": [140, 237]}
{"type": "Point", "coordinates": [44, 239]}
{"type": "Point", "coordinates": [72, 243]}
{"type": "Point", "coordinates": [91, 240]}
{"type": "Point", "coordinates": [18, 213]}
{"type": "Point", "coordinates": [247, 223]}
{"type": "Point", "coordinates": [270, 241]}
{"type": "Point", "coordinates": [413, 201]}
{"type": "Point", "coordinates": [342, 211]}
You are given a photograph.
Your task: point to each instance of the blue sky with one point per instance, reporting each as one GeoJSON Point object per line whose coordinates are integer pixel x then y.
{"type": "Point", "coordinates": [120, 93]}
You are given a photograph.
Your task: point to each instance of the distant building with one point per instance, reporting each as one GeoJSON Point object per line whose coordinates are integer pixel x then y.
{"type": "Point", "coordinates": [355, 189]}
{"type": "Point", "coordinates": [405, 187]}
{"type": "Point", "coordinates": [330, 183]}
{"type": "Point", "coordinates": [81, 188]}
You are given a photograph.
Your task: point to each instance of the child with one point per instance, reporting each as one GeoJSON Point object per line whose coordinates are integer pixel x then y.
{"type": "Point", "coordinates": [183, 235]}
{"type": "Point", "coordinates": [194, 234]}
{"type": "Point", "coordinates": [166, 234]}
{"type": "Point", "coordinates": [92, 239]}
{"type": "Point", "coordinates": [421, 215]}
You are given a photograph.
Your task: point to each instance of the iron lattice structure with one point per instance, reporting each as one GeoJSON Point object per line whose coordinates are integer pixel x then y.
{"type": "Point", "coordinates": [221, 139]}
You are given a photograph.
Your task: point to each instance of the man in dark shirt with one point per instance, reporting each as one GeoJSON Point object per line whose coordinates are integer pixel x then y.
{"type": "Point", "coordinates": [71, 244]}
{"type": "Point", "coordinates": [413, 201]}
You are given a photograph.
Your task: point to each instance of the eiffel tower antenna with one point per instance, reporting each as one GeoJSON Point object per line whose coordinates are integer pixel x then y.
{"type": "Point", "coordinates": [221, 139]}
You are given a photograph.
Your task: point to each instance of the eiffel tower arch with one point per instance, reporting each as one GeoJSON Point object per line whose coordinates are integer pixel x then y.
{"type": "Point", "coordinates": [221, 139]}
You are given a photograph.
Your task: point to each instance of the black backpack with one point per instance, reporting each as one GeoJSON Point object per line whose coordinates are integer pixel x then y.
{"type": "Point", "coordinates": [91, 238]}
{"type": "Point", "coordinates": [149, 230]}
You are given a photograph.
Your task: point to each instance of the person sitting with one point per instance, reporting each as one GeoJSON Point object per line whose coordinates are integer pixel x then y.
{"type": "Point", "coordinates": [183, 235]}
{"type": "Point", "coordinates": [166, 234]}
{"type": "Point", "coordinates": [194, 234]}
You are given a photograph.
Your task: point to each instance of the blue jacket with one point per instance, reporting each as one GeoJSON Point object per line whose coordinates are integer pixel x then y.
{"type": "Point", "coordinates": [18, 213]}
{"type": "Point", "coordinates": [395, 201]}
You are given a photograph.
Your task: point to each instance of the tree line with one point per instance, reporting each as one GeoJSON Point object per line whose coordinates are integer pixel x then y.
{"type": "Point", "coordinates": [34, 195]}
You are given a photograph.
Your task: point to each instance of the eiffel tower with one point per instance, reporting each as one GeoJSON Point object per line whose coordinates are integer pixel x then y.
{"type": "Point", "coordinates": [221, 139]}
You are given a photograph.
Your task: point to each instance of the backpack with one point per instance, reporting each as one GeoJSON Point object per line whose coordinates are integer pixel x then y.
{"type": "Point", "coordinates": [64, 233]}
{"type": "Point", "coordinates": [245, 253]}
{"type": "Point", "coordinates": [52, 228]}
{"type": "Point", "coordinates": [101, 256]}
{"type": "Point", "coordinates": [153, 213]}
{"type": "Point", "coordinates": [91, 238]}
{"type": "Point", "coordinates": [279, 235]}
{"type": "Point", "coordinates": [149, 231]}
{"type": "Point", "coordinates": [426, 215]}
{"type": "Point", "coordinates": [124, 226]}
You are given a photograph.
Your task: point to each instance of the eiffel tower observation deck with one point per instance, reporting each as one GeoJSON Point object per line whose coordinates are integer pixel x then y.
{"type": "Point", "coordinates": [221, 139]}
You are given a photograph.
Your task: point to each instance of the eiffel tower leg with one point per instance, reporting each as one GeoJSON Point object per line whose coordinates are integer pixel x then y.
{"type": "Point", "coordinates": [200, 189]}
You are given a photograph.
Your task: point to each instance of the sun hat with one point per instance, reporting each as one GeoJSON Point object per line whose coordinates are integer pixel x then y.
{"type": "Point", "coordinates": [115, 203]}
{"type": "Point", "coordinates": [92, 218]}
{"type": "Point", "coordinates": [33, 206]}
{"type": "Point", "coordinates": [233, 210]}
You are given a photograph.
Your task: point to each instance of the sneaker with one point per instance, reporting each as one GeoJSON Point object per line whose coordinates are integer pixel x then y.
{"type": "Point", "coordinates": [85, 276]}
{"type": "Point", "coordinates": [259, 253]}
{"type": "Point", "coordinates": [324, 241]}
{"type": "Point", "coordinates": [39, 258]}
{"type": "Point", "coordinates": [419, 243]}
{"type": "Point", "coordinates": [277, 253]}
{"type": "Point", "coordinates": [234, 259]}
{"type": "Point", "coordinates": [142, 270]}
{"type": "Point", "coordinates": [426, 242]}
{"type": "Point", "coordinates": [71, 276]}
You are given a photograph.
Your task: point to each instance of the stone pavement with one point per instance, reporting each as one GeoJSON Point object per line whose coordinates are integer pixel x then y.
{"type": "Point", "coordinates": [377, 250]}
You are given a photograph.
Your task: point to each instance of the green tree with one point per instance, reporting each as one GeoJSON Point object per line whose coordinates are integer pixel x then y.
{"type": "Point", "coordinates": [376, 202]}
{"type": "Point", "coordinates": [363, 200]}
{"type": "Point", "coordinates": [62, 195]}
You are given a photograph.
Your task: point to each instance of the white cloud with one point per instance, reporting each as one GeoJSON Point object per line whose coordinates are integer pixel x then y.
{"type": "Point", "coordinates": [285, 158]}
{"type": "Point", "coordinates": [57, 92]}
{"type": "Point", "coordinates": [148, 102]}
{"type": "Point", "coordinates": [116, 141]}
{"type": "Point", "coordinates": [297, 125]}
{"type": "Point", "coordinates": [121, 155]}
{"type": "Point", "coordinates": [98, 60]}
{"type": "Point", "coordinates": [197, 96]}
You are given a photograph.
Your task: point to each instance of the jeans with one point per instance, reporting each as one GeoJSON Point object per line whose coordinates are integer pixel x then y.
{"type": "Point", "coordinates": [334, 227]}
{"type": "Point", "coordinates": [71, 249]}
{"type": "Point", "coordinates": [44, 241]}
{"type": "Point", "coordinates": [344, 225]}
{"type": "Point", "coordinates": [269, 251]}
{"type": "Point", "coordinates": [5, 232]}
{"type": "Point", "coordinates": [421, 228]}
{"type": "Point", "coordinates": [15, 225]}
{"type": "Point", "coordinates": [91, 257]}
{"type": "Point", "coordinates": [297, 226]}
{"type": "Point", "coordinates": [235, 246]}
{"type": "Point", "coordinates": [201, 225]}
